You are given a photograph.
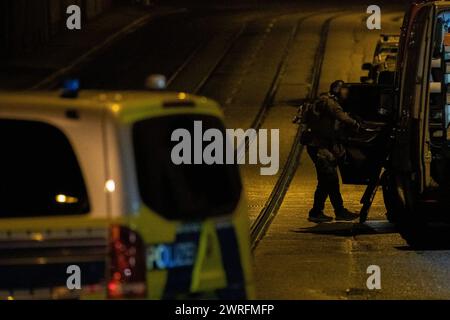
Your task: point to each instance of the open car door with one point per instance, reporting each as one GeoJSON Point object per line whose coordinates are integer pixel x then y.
{"type": "Point", "coordinates": [367, 149]}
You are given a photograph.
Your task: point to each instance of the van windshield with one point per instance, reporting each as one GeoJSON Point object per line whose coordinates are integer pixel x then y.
{"type": "Point", "coordinates": [39, 172]}
{"type": "Point", "coordinates": [182, 191]}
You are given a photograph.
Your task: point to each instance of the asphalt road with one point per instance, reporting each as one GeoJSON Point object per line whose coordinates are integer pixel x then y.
{"type": "Point", "coordinates": [301, 260]}
{"type": "Point", "coordinates": [234, 55]}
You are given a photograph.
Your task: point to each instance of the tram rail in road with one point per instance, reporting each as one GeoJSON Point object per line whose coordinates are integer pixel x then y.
{"type": "Point", "coordinates": [270, 209]}
{"type": "Point", "coordinates": [273, 203]}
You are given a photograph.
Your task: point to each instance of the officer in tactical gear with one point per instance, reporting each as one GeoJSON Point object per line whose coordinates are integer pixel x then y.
{"type": "Point", "coordinates": [324, 121]}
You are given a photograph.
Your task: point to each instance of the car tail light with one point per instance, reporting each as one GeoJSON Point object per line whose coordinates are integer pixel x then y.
{"type": "Point", "coordinates": [127, 277]}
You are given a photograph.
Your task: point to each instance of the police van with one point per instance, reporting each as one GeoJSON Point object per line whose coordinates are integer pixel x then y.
{"type": "Point", "coordinates": [406, 145]}
{"type": "Point", "coordinates": [88, 190]}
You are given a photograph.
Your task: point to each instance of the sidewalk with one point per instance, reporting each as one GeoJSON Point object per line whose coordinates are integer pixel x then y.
{"type": "Point", "coordinates": [68, 50]}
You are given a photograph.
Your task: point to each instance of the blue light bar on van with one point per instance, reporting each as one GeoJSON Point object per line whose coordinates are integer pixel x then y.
{"type": "Point", "coordinates": [71, 87]}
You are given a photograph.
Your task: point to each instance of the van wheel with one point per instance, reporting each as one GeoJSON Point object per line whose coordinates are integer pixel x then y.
{"type": "Point", "coordinates": [425, 237]}
{"type": "Point", "coordinates": [410, 223]}
{"type": "Point", "coordinates": [410, 216]}
{"type": "Point", "coordinates": [420, 235]}
{"type": "Point", "coordinates": [416, 233]}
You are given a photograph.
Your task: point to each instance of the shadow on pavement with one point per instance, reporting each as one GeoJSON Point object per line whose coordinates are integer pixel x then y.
{"type": "Point", "coordinates": [438, 240]}
{"type": "Point", "coordinates": [349, 229]}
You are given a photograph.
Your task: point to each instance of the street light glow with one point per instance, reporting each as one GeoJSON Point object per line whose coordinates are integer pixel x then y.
{"type": "Point", "coordinates": [62, 198]}
{"type": "Point", "coordinates": [110, 185]}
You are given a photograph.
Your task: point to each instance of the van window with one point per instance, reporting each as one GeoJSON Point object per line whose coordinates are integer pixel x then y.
{"type": "Point", "coordinates": [39, 172]}
{"type": "Point", "coordinates": [185, 191]}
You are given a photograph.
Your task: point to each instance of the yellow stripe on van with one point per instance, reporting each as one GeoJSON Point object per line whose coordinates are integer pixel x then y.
{"type": "Point", "coordinates": [208, 273]}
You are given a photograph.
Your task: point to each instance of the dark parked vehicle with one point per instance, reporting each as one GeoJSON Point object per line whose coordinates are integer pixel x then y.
{"type": "Point", "coordinates": [405, 147]}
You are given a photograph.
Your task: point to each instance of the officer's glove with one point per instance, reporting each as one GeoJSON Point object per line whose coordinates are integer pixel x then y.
{"type": "Point", "coordinates": [357, 126]}
{"type": "Point", "coordinates": [296, 120]}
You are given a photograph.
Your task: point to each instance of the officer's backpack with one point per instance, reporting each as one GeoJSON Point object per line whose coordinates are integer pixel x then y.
{"type": "Point", "coordinates": [308, 115]}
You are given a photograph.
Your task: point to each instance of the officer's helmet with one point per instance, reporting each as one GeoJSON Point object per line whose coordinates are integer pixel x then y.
{"type": "Point", "coordinates": [336, 86]}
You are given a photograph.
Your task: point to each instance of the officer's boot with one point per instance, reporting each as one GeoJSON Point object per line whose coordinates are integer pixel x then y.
{"type": "Point", "coordinates": [345, 215]}
{"type": "Point", "coordinates": [318, 216]}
